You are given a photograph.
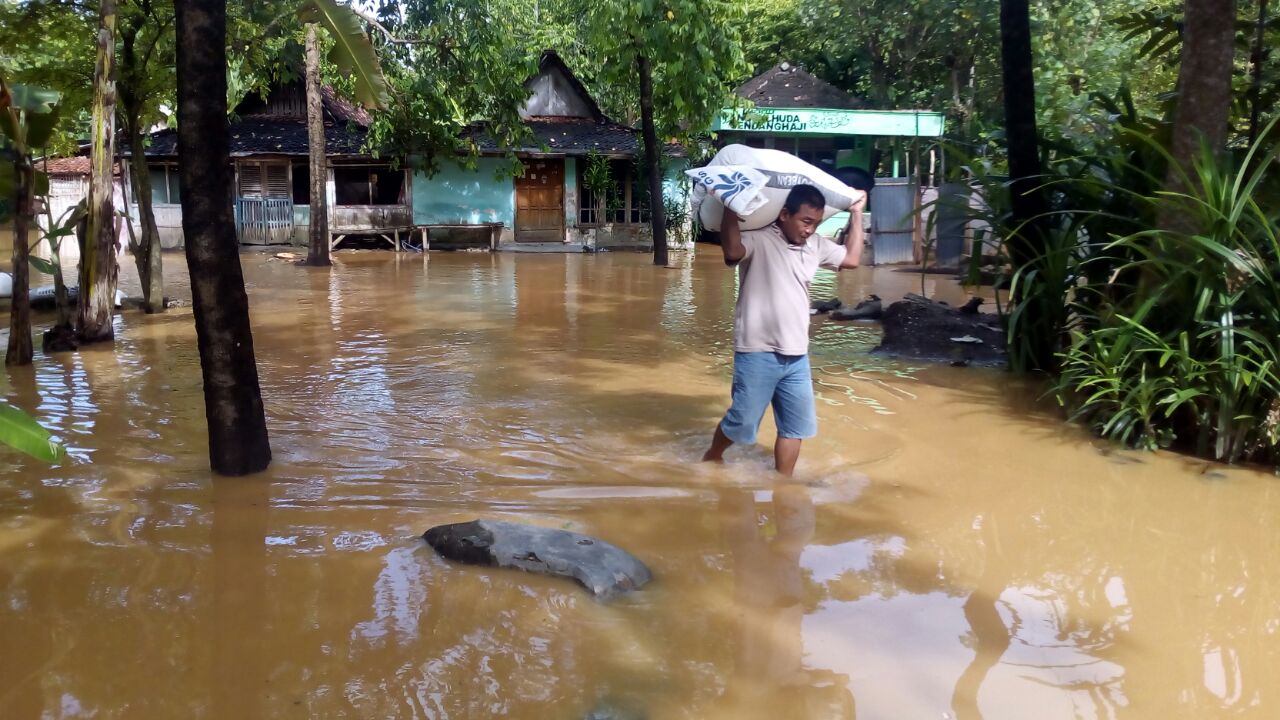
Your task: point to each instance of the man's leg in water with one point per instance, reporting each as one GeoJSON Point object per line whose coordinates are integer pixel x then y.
{"type": "Point", "coordinates": [786, 451]}
{"type": "Point", "coordinates": [719, 443]}
{"type": "Point", "coordinates": [793, 408]}
{"type": "Point", "coordinates": [755, 376]}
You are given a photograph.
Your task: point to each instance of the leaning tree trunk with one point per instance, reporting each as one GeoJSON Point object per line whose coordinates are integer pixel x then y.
{"type": "Point", "coordinates": [98, 256]}
{"type": "Point", "coordinates": [146, 255]}
{"type": "Point", "coordinates": [20, 350]}
{"type": "Point", "coordinates": [61, 297]}
{"type": "Point", "coordinates": [1026, 245]}
{"type": "Point", "coordinates": [147, 252]}
{"type": "Point", "coordinates": [233, 402]}
{"type": "Point", "coordinates": [653, 161]}
{"type": "Point", "coordinates": [318, 231]}
{"type": "Point", "coordinates": [1204, 91]}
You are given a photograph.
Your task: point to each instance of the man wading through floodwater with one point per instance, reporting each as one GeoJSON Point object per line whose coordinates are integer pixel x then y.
{"type": "Point", "coordinates": [771, 321]}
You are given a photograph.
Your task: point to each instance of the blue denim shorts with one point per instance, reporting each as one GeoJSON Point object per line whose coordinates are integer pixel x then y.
{"type": "Point", "coordinates": [761, 379]}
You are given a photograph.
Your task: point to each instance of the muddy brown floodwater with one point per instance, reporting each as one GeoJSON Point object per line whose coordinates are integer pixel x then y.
{"type": "Point", "coordinates": [949, 550]}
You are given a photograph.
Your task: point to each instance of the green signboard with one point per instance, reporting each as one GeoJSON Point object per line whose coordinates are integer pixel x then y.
{"type": "Point", "coordinates": [821, 121]}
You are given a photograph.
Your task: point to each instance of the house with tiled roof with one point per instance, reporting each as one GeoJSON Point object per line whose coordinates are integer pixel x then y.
{"type": "Point", "coordinates": [366, 196]}
{"type": "Point", "coordinates": [545, 208]}
{"type": "Point", "coordinates": [549, 206]}
{"type": "Point", "coordinates": [791, 86]}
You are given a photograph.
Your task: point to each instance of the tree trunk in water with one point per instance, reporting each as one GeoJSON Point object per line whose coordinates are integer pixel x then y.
{"type": "Point", "coordinates": [61, 298]}
{"type": "Point", "coordinates": [1258, 59]}
{"type": "Point", "coordinates": [147, 254]}
{"type": "Point", "coordinates": [238, 442]}
{"type": "Point", "coordinates": [1204, 90]}
{"type": "Point", "coordinates": [318, 232]}
{"type": "Point", "coordinates": [20, 349]}
{"type": "Point", "coordinates": [653, 161]}
{"type": "Point", "coordinates": [98, 256]}
{"type": "Point", "coordinates": [1028, 204]}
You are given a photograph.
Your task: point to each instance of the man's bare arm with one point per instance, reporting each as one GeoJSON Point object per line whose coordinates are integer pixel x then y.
{"type": "Point", "coordinates": [855, 235]}
{"type": "Point", "coordinates": [731, 238]}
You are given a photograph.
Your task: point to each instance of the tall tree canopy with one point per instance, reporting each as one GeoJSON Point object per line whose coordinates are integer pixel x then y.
{"type": "Point", "coordinates": [682, 56]}
{"type": "Point", "coordinates": [451, 64]}
{"type": "Point", "coordinates": [945, 55]}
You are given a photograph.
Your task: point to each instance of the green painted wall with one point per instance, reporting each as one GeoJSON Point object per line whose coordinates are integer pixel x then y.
{"type": "Point", "coordinates": [458, 196]}
{"type": "Point", "coordinates": [675, 184]}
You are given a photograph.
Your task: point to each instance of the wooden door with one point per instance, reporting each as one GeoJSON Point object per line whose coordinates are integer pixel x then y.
{"type": "Point", "coordinates": [540, 202]}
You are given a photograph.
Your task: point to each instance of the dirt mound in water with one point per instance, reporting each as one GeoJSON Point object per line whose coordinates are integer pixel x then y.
{"type": "Point", "coordinates": [917, 328]}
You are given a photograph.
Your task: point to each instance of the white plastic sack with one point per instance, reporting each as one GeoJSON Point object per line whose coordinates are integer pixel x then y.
{"type": "Point", "coordinates": [755, 182]}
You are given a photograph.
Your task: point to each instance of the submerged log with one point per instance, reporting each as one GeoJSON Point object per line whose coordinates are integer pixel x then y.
{"type": "Point", "coordinates": [605, 570]}
{"type": "Point", "coordinates": [870, 309]}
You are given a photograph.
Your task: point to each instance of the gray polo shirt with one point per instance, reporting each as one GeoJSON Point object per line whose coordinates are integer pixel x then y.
{"type": "Point", "coordinates": [773, 290]}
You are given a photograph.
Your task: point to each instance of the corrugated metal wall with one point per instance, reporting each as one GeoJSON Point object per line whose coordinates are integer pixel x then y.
{"type": "Point", "coordinates": [893, 220]}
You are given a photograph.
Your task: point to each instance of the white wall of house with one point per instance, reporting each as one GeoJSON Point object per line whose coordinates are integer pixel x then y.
{"type": "Point", "coordinates": [166, 209]}
{"type": "Point", "coordinates": [169, 224]}
{"type": "Point", "coordinates": [65, 192]}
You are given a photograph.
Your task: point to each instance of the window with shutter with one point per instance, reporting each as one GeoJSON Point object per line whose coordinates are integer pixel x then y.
{"type": "Point", "coordinates": [277, 181]}
{"type": "Point", "coordinates": [251, 180]}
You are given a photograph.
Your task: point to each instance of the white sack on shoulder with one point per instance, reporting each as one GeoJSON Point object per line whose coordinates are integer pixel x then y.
{"type": "Point", "coordinates": [735, 186]}
{"type": "Point", "coordinates": [754, 183]}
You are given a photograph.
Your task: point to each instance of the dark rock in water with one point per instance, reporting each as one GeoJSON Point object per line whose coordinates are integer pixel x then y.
{"type": "Point", "coordinates": [870, 309]}
{"type": "Point", "coordinates": [603, 569]}
{"type": "Point", "coordinates": [917, 328]}
{"type": "Point", "coordinates": [825, 306]}
{"type": "Point", "coordinates": [59, 338]}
